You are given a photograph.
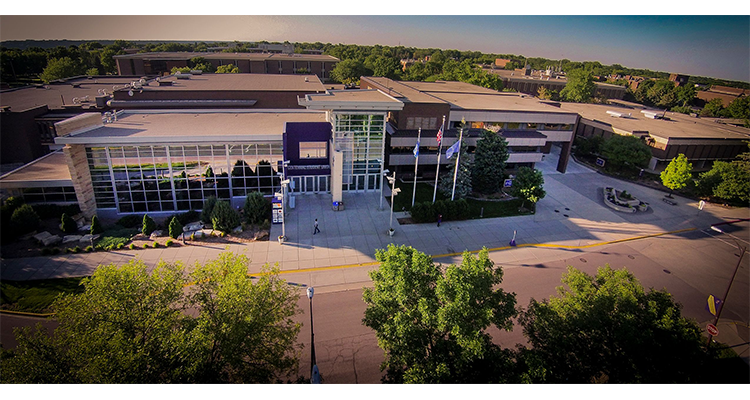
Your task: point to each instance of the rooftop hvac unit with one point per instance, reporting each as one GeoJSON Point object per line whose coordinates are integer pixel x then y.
{"type": "Point", "coordinates": [652, 114]}
{"type": "Point", "coordinates": [182, 76]}
{"type": "Point", "coordinates": [618, 114]}
{"type": "Point", "coordinates": [196, 72]}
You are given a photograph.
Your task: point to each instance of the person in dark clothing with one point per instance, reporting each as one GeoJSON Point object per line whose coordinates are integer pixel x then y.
{"type": "Point", "coordinates": [316, 227]}
{"type": "Point", "coordinates": [440, 219]}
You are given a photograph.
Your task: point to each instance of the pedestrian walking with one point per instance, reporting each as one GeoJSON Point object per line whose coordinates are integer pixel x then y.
{"type": "Point", "coordinates": [440, 219]}
{"type": "Point", "coordinates": [316, 227]}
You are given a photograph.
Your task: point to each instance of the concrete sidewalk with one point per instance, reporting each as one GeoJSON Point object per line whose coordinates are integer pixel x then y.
{"type": "Point", "coordinates": [572, 214]}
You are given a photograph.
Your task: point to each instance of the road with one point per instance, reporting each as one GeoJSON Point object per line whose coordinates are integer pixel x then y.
{"type": "Point", "coordinates": [690, 266]}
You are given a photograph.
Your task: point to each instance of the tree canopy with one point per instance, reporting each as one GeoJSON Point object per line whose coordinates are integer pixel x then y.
{"type": "Point", "coordinates": [349, 71]}
{"type": "Point", "coordinates": [489, 162]}
{"type": "Point", "coordinates": [527, 185]}
{"type": "Point", "coordinates": [59, 68]}
{"type": "Point", "coordinates": [626, 152]}
{"type": "Point", "coordinates": [607, 328]}
{"type": "Point", "coordinates": [132, 326]}
{"type": "Point", "coordinates": [432, 326]}
{"type": "Point", "coordinates": [580, 87]}
{"type": "Point", "coordinates": [678, 173]}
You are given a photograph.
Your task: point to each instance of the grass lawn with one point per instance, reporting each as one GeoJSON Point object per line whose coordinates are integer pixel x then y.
{"type": "Point", "coordinates": [492, 209]}
{"type": "Point", "coordinates": [36, 295]}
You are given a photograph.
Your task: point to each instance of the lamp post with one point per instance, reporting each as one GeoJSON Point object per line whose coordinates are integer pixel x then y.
{"type": "Point", "coordinates": [314, 373]}
{"type": "Point", "coordinates": [394, 191]}
{"type": "Point", "coordinates": [382, 174]}
{"type": "Point", "coordinates": [724, 299]}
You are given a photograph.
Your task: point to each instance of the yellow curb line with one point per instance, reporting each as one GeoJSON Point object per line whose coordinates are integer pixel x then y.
{"type": "Point", "coordinates": [292, 271]}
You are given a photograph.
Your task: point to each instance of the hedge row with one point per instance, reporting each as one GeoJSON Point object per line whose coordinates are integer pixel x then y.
{"type": "Point", "coordinates": [450, 210]}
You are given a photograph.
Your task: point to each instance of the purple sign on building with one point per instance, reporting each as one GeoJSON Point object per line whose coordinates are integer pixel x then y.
{"type": "Point", "coordinates": [307, 148]}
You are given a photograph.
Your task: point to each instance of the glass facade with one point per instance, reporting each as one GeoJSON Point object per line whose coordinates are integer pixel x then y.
{"type": "Point", "coordinates": [180, 177]}
{"type": "Point", "coordinates": [57, 194]}
{"type": "Point", "coordinates": [360, 138]}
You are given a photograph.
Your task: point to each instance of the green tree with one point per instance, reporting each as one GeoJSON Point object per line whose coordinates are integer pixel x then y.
{"type": "Point", "coordinates": [713, 108]}
{"type": "Point", "coordinates": [24, 220]}
{"type": "Point", "coordinates": [740, 108]}
{"type": "Point", "coordinates": [580, 87]}
{"type": "Point", "coordinates": [587, 146]}
{"type": "Point", "coordinates": [528, 185]}
{"type": "Point", "coordinates": [685, 95]}
{"type": "Point", "coordinates": [662, 94]}
{"type": "Point", "coordinates": [59, 68]}
{"type": "Point", "coordinates": [349, 71]}
{"type": "Point", "coordinates": [383, 66]}
{"type": "Point", "coordinates": [200, 63]}
{"type": "Point", "coordinates": [175, 228]}
{"type": "Point", "coordinates": [489, 162]}
{"type": "Point", "coordinates": [607, 328]}
{"type": "Point", "coordinates": [92, 71]}
{"type": "Point", "coordinates": [624, 152]}
{"type": "Point", "coordinates": [678, 174]}
{"type": "Point", "coordinates": [463, 178]}
{"type": "Point", "coordinates": [257, 208]}
{"type": "Point", "coordinates": [227, 69]}
{"type": "Point", "coordinates": [432, 327]}
{"type": "Point", "coordinates": [67, 224]}
{"type": "Point", "coordinates": [224, 218]}
{"type": "Point", "coordinates": [148, 225]}
{"type": "Point", "coordinates": [208, 209]}
{"type": "Point", "coordinates": [96, 226]}
{"type": "Point", "coordinates": [130, 326]}
{"type": "Point", "coordinates": [245, 332]}
{"type": "Point", "coordinates": [727, 180]}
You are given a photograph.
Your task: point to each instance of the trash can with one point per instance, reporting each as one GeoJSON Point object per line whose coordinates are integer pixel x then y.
{"type": "Point", "coordinates": [341, 206]}
{"type": "Point", "coordinates": [335, 206]}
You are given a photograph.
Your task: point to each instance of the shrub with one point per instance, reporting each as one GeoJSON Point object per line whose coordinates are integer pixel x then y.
{"type": "Point", "coordinates": [451, 210]}
{"type": "Point", "coordinates": [68, 225]}
{"type": "Point", "coordinates": [55, 250]}
{"type": "Point", "coordinates": [148, 225]}
{"type": "Point", "coordinates": [187, 217]}
{"type": "Point", "coordinates": [257, 208]}
{"type": "Point", "coordinates": [266, 225]}
{"type": "Point", "coordinates": [208, 209]}
{"type": "Point", "coordinates": [112, 242]}
{"type": "Point", "coordinates": [12, 203]}
{"type": "Point", "coordinates": [192, 236]}
{"type": "Point", "coordinates": [120, 246]}
{"type": "Point", "coordinates": [132, 246]}
{"type": "Point", "coordinates": [130, 221]}
{"type": "Point", "coordinates": [24, 220]}
{"type": "Point", "coordinates": [175, 228]}
{"type": "Point", "coordinates": [145, 245]}
{"type": "Point", "coordinates": [76, 249]}
{"type": "Point", "coordinates": [168, 243]}
{"type": "Point", "coordinates": [89, 249]}
{"type": "Point", "coordinates": [224, 218]}
{"type": "Point", "coordinates": [96, 226]}
{"type": "Point", "coordinates": [46, 251]}
{"type": "Point", "coordinates": [155, 245]}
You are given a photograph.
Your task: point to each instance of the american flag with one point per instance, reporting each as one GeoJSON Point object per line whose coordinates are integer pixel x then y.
{"type": "Point", "coordinates": [440, 135]}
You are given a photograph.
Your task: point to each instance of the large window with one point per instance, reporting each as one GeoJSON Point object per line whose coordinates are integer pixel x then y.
{"type": "Point", "coordinates": [360, 138]}
{"type": "Point", "coordinates": [313, 150]}
{"type": "Point", "coordinates": [180, 177]}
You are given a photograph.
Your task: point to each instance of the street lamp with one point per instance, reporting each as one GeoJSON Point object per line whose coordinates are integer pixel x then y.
{"type": "Point", "coordinates": [382, 174]}
{"type": "Point", "coordinates": [394, 191]}
{"type": "Point", "coordinates": [724, 300]}
{"type": "Point", "coordinates": [314, 373]}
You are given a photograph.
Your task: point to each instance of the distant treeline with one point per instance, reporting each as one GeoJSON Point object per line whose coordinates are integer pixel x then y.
{"type": "Point", "coordinates": [26, 60]}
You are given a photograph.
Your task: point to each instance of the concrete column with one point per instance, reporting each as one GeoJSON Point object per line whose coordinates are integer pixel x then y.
{"type": "Point", "coordinates": [337, 175]}
{"type": "Point", "coordinates": [562, 164]}
{"type": "Point", "coordinates": [75, 156]}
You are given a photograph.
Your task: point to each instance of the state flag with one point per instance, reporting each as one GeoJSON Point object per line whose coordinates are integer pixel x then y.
{"type": "Point", "coordinates": [452, 149]}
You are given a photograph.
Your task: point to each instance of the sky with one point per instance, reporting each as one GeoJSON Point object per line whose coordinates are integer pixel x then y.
{"type": "Point", "coordinates": [714, 46]}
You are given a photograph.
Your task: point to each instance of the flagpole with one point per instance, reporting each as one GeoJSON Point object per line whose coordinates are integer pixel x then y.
{"type": "Point", "coordinates": [440, 149]}
{"type": "Point", "coordinates": [416, 163]}
{"type": "Point", "coordinates": [458, 158]}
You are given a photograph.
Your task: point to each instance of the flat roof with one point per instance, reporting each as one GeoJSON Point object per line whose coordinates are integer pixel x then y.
{"type": "Point", "coordinates": [47, 171]}
{"type": "Point", "coordinates": [366, 99]}
{"type": "Point", "coordinates": [677, 126]}
{"type": "Point", "coordinates": [187, 126]}
{"type": "Point", "coordinates": [31, 97]}
{"type": "Point", "coordinates": [241, 82]}
{"type": "Point", "coordinates": [401, 90]}
{"type": "Point", "coordinates": [498, 101]}
{"type": "Point", "coordinates": [449, 87]}
{"type": "Point", "coordinates": [184, 55]}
